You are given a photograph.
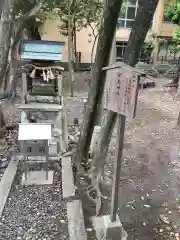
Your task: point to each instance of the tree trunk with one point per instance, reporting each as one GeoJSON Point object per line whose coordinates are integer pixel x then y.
{"type": "Point", "coordinates": [1, 7]}
{"type": "Point", "coordinates": [70, 51]}
{"type": "Point", "coordinates": [75, 46]}
{"type": "Point", "coordinates": [23, 23]}
{"type": "Point", "coordinates": [176, 79]}
{"type": "Point", "coordinates": [4, 73]}
{"type": "Point", "coordinates": [103, 145]}
{"type": "Point", "coordinates": [11, 48]}
{"type": "Point", "coordinates": [92, 63]}
{"type": "Point", "coordinates": [33, 30]}
{"type": "Point", "coordinates": [93, 47]}
{"type": "Point", "coordinates": [138, 33]}
{"type": "Point", "coordinates": [105, 40]}
{"type": "Point", "coordinates": [112, 61]}
{"type": "Point", "coordinates": [2, 121]}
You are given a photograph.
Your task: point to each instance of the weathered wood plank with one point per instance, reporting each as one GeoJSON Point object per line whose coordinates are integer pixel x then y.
{"type": "Point", "coordinates": [41, 107]}
{"type": "Point", "coordinates": [124, 65]}
{"type": "Point", "coordinates": [6, 182]}
{"type": "Point", "coordinates": [76, 221]}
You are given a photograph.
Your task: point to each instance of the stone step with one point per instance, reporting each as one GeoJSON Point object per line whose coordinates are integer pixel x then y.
{"type": "Point", "coordinates": [43, 99]}
{"type": "Point", "coordinates": [40, 107]}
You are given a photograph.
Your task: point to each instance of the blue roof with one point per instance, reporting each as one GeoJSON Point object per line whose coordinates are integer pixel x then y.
{"type": "Point", "coordinates": [41, 50]}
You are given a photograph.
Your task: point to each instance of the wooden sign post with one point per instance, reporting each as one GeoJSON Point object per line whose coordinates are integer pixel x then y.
{"type": "Point", "coordinates": [121, 92]}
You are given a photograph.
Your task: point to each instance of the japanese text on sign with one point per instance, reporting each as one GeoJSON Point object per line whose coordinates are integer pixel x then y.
{"type": "Point", "coordinates": [37, 148]}
{"type": "Point", "coordinates": [121, 91]}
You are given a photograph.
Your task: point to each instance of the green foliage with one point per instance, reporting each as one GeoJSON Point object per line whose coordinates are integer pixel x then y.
{"type": "Point", "coordinates": [123, 9]}
{"type": "Point", "coordinates": [176, 35]}
{"type": "Point", "coordinates": [172, 11]}
{"type": "Point", "coordinates": [21, 7]}
{"type": "Point", "coordinates": [83, 14]}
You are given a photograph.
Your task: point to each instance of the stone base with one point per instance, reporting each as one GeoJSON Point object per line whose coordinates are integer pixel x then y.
{"type": "Point", "coordinates": [107, 230]}
{"type": "Point", "coordinates": [37, 178]}
{"type": "Point", "coordinates": [53, 148]}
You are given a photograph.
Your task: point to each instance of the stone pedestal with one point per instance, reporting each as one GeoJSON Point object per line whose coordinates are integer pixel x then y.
{"type": "Point", "coordinates": [107, 230]}
{"type": "Point", "coordinates": [37, 178]}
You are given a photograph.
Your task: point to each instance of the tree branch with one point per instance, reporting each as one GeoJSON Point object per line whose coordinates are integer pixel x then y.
{"type": "Point", "coordinates": [23, 21]}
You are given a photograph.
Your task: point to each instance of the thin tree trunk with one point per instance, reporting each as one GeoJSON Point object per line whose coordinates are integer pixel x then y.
{"type": "Point", "coordinates": [13, 47]}
{"type": "Point", "coordinates": [92, 62]}
{"type": "Point", "coordinates": [24, 19]}
{"type": "Point", "coordinates": [105, 40]}
{"type": "Point", "coordinates": [138, 34]}
{"type": "Point", "coordinates": [176, 79]}
{"type": "Point", "coordinates": [103, 145]}
{"type": "Point", "coordinates": [70, 52]}
{"type": "Point", "coordinates": [178, 90]}
{"type": "Point", "coordinates": [1, 7]}
{"type": "Point", "coordinates": [93, 47]}
{"type": "Point", "coordinates": [6, 63]}
{"type": "Point", "coordinates": [75, 45]}
{"type": "Point", "coordinates": [33, 30]}
{"type": "Point", "coordinates": [2, 121]}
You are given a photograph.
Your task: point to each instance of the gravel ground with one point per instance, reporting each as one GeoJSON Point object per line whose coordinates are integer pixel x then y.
{"type": "Point", "coordinates": [8, 144]}
{"type": "Point", "coordinates": [32, 212]}
{"type": "Point", "coordinates": [35, 212]}
{"type": "Point", "coordinates": [149, 200]}
{"type": "Point", "coordinates": [149, 191]}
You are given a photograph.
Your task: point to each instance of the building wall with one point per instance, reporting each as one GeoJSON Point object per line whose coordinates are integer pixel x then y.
{"type": "Point", "coordinates": [122, 34]}
{"type": "Point", "coordinates": [50, 31]}
{"type": "Point", "coordinates": [158, 17]}
{"type": "Point", "coordinates": [85, 39]}
{"type": "Point", "coordinates": [167, 29]}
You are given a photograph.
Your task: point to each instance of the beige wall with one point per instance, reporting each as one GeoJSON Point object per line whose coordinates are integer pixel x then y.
{"type": "Point", "coordinates": [159, 27]}
{"type": "Point", "coordinates": [167, 29]}
{"type": "Point", "coordinates": [85, 39]}
{"type": "Point", "coordinates": [158, 17]}
{"type": "Point", "coordinates": [51, 32]}
{"type": "Point", "coordinates": [122, 34]}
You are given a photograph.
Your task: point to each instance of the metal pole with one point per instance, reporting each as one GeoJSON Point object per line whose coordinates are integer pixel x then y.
{"type": "Point", "coordinates": [117, 167]}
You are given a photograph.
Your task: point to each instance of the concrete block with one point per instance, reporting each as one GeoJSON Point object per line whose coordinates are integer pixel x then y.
{"type": "Point", "coordinates": [37, 178]}
{"type": "Point", "coordinates": [76, 221]}
{"type": "Point", "coordinates": [6, 182]}
{"type": "Point", "coordinates": [53, 148]}
{"type": "Point", "coordinates": [42, 159]}
{"type": "Point", "coordinates": [67, 178]}
{"type": "Point", "coordinates": [40, 107]}
{"type": "Point", "coordinates": [107, 230]}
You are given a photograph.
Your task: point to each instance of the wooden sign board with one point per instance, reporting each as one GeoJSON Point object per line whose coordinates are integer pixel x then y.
{"type": "Point", "coordinates": [34, 138]}
{"type": "Point", "coordinates": [121, 90]}
{"type": "Point", "coordinates": [35, 148]}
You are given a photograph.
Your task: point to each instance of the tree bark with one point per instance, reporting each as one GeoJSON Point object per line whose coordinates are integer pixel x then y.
{"type": "Point", "coordinates": [1, 7]}
{"type": "Point", "coordinates": [23, 22]}
{"type": "Point", "coordinates": [75, 45]}
{"type": "Point", "coordinates": [136, 41]}
{"type": "Point", "coordinates": [103, 145]}
{"type": "Point", "coordinates": [33, 30]}
{"type": "Point", "coordinates": [93, 47]}
{"type": "Point", "coordinates": [2, 121]}
{"type": "Point", "coordinates": [5, 65]}
{"type": "Point", "coordinates": [70, 50]}
{"type": "Point", "coordinates": [176, 79]}
{"type": "Point", "coordinates": [12, 47]}
{"type": "Point", "coordinates": [105, 40]}
{"type": "Point", "coordinates": [138, 33]}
